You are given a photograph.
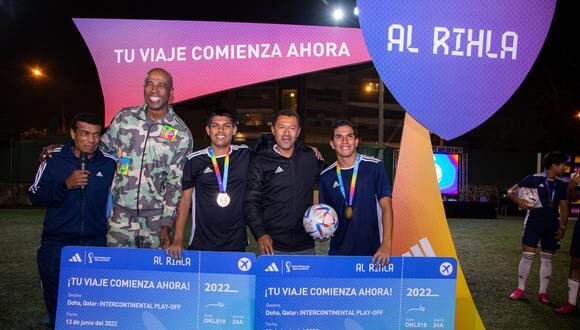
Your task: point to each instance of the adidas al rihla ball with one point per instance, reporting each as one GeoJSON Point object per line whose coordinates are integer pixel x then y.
{"type": "Point", "coordinates": [320, 221]}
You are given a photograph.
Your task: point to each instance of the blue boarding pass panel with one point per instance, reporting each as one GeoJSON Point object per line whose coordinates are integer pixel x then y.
{"type": "Point", "coordinates": [306, 292]}
{"type": "Point", "coordinates": [226, 296]}
{"type": "Point", "coordinates": [428, 293]}
{"type": "Point", "coordinates": [145, 289]}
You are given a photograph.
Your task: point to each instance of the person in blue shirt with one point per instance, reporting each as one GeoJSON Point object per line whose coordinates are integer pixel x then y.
{"type": "Point", "coordinates": [574, 273]}
{"type": "Point", "coordinates": [75, 200]}
{"type": "Point", "coordinates": [541, 224]}
{"type": "Point", "coordinates": [358, 189]}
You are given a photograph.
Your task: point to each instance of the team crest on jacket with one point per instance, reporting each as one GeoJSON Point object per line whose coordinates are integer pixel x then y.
{"type": "Point", "coordinates": [169, 133]}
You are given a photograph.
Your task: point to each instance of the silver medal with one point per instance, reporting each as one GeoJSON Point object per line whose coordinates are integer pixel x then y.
{"type": "Point", "coordinates": [223, 199]}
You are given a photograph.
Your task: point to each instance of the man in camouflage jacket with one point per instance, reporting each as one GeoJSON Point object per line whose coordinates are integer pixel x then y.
{"type": "Point", "coordinates": [151, 143]}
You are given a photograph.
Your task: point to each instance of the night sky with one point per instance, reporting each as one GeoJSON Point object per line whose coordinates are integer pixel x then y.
{"type": "Point", "coordinates": [539, 117]}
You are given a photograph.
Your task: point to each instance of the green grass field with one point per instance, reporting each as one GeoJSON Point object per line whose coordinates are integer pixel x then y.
{"type": "Point", "coordinates": [489, 252]}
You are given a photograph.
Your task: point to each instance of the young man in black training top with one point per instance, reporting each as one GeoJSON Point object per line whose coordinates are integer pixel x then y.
{"type": "Point", "coordinates": [216, 179]}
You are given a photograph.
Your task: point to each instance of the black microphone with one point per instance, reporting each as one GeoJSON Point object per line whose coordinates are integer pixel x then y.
{"type": "Point", "coordinates": [83, 160]}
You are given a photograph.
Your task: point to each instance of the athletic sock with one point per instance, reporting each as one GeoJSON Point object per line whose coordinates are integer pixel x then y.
{"type": "Point", "coordinates": [573, 286]}
{"type": "Point", "coordinates": [545, 271]}
{"type": "Point", "coordinates": [524, 269]}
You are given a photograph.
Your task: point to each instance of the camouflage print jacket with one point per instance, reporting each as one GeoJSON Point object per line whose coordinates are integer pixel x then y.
{"type": "Point", "coordinates": [150, 162]}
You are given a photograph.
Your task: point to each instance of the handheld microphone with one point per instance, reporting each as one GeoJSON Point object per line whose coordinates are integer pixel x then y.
{"type": "Point", "coordinates": [83, 160]}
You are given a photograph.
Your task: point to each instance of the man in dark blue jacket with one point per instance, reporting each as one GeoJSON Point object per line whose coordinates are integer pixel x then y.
{"type": "Point", "coordinates": [73, 185]}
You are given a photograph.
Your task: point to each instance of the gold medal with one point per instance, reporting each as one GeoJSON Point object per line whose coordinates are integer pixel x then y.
{"type": "Point", "coordinates": [348, 213]}
{"type": "Point", "coordinates": [348, 201]}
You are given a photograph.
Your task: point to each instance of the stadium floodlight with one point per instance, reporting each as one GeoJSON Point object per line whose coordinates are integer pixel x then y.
{"type": "Point", "coordinates": [355, 11]}
{"type": "Point", "coordinates": [338, 14]}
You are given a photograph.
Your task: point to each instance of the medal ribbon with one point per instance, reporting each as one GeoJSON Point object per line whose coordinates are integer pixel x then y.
{"type": "Point", "coordinates": [222, 184]}
{"type": "Point", "coordinates": [352, 181]}
{"type": "Point", "coordinates": [551, 192]}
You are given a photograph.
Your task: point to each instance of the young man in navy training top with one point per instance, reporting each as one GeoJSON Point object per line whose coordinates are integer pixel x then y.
{"type": "Point", "coordinates": [216, 176]}
{"type": "Point", "coordinates": [574, 274]}
{"type": "Point", "coordinates": [541, 222]}
{"type": "Point", "coordinates": [358, 189]}
{"type": "Point", "coordinates": [75, 200]}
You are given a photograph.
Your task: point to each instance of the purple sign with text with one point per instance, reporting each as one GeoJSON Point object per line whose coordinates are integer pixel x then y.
{"type": "Point", "coordinates": [452, 64]}
{"type": "Point", "coordinates": [209, 57]}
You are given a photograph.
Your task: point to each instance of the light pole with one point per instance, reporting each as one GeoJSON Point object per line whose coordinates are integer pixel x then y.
{"type": "Point", "coordinates": [37, 73]}
{"type": "Point", "coordinates": [338, 15]}
{"type": "Point", "coordinates": [379, 88]}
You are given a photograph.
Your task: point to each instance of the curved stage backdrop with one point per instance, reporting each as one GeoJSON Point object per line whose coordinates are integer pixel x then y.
{"type": "Point", "coordinates": [208, 57]}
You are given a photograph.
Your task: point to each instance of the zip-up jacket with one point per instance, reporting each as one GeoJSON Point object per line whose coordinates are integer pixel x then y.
{"type": "Point", "coordinates": [150, 162]}
{"type": "Point", "coordinates": [279, 190]}
{"type": "Point", "coordinates": [72, 216]}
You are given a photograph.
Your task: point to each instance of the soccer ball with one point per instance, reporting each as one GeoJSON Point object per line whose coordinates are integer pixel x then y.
{"type": "Point", "coordinates": [320, 221]}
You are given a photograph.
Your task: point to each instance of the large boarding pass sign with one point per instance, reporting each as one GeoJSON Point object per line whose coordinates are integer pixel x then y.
{"type": "Point", "coordinates": [301, 292]}
{"type": "Point", "coordinates": [145, 289]}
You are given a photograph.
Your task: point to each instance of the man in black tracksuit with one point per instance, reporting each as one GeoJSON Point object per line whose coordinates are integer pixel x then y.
{"type": "Point", "coordinates": [75, 200]}
{"type": "Point", "coordinates": [279, 190]}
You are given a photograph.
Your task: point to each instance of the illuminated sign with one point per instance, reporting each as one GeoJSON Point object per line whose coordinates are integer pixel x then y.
{"type": "Point", "coordinates": [452, 64]}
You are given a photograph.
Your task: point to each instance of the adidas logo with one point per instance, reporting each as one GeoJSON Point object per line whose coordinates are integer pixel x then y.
{"type": "Point", "coordinates": [75, 258]}
{"type": "Point", "coordinates": [424, 251]}
{"type": "Point", "coordinates": [335, 184]}
{"type": "Point", "coordinates": [99, 174]}
{"type": "Point", "coordinates": [278, 170]}
{"type": "Point", "coordinates": [272, 268]}
{"type": "Point", "coordinates": [207, 170]}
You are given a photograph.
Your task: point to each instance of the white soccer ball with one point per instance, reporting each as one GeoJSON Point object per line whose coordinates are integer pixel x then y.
{"type": "Point", "coordinates": [320, 221]}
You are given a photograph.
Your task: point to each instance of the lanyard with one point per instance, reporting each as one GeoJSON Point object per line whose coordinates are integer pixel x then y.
{"type": "Point", "coordinates": [352, 181]}
{"type": "Point", "coordinates": [551, 192]}
{"type": "Point", "coordinates": [222, 184]}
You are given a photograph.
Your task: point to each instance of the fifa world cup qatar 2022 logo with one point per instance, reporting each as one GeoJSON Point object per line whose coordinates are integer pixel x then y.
{"type": "Point", "coordinates": [452, 64]}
